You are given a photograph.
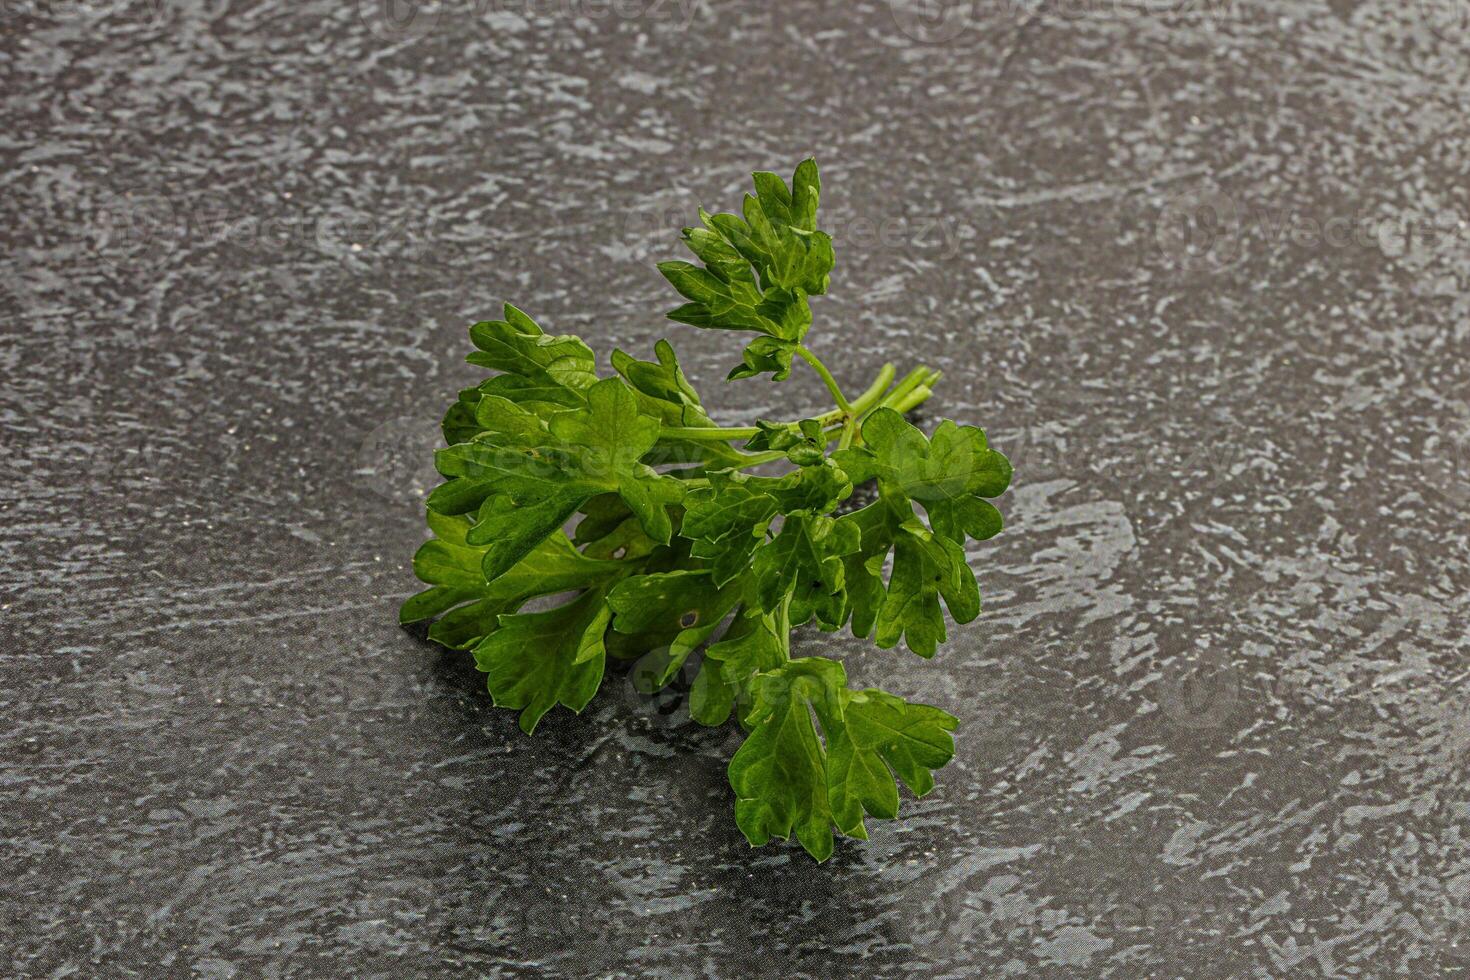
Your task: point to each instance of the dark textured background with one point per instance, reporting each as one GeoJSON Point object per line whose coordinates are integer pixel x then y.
{"type": "Point", "coordinates": [1216, 719]}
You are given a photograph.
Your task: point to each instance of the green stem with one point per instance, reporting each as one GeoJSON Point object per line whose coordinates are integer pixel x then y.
{"type": "Point", "coordinates": [913, 399]}
{"type": "Point", "coordinates": [718, 433]}
{"type": "Point", "coordinates": [866, 400]}
{"type": "Point", "coordinates": [912, 391]}
{"type": "Point", "coordinates": [915, 387]}
{"type": "Point", "coordinates": [707, 433]}
{"type": "Point", "coordinates": [918, 376]}
{"type": "Point", "coordinates": [827, 379]}
{"type": "Point", "coordinates": [875, 390]}
{"type": "Point", "coordinates": [761, 459]}
{"type": "Point", "coordinates": [862, 402]}
{"type": "Point", "coordinates": [783, 626]}
{"type": "Point", "coordinates": [775, 454]}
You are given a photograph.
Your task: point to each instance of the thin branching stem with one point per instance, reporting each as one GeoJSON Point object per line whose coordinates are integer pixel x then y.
{"type": "Point", "coordinates": [816, 362]}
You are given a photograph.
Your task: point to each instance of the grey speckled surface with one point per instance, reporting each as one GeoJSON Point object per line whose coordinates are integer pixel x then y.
{"type": "Point", "coordinates": [1216, 715]}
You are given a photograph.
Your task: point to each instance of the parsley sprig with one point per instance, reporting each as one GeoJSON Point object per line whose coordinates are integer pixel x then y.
{"type": "Point", "coordinates": [623, 493]}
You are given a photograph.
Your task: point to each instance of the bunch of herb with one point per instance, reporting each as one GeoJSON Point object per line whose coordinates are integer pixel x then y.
{"type": "Point", "coordinates": [623, 494]}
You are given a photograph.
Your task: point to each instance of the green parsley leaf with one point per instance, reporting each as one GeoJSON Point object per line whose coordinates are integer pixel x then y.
{"type": "Point", "coordinates": [522, 493]}
{"type": "Point", "coordinates": [518, 347]}
{"type": "Point", "coordinates": [758, 270]}
{"type": "Point", "coordinates": [949, 475]}
{"type": "Point", "coordinates": [755, 643]}
{"type": "Point", "coordinates": [803, 566]}
{"type": "Point", "coordinates": [926, 567]}
{"type": "Point", "coordinates": [779, 773]}
{"type": "Point", "coordinates": [882, 735]}
{"type": "Point", "coordinates": [467, 604]}
{"type": "Point", "coordinates": [789, 778]}
{"type": "Point", "coordinates": [636, 529]}
{"type": "Point", "coordinates": [535, 661]}
{"type": "Point", "coordinates": [671, 615]}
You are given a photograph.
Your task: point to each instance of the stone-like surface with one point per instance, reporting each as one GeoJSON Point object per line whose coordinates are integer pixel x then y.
{"type": "Point", "coordinates": [1215, 717]}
